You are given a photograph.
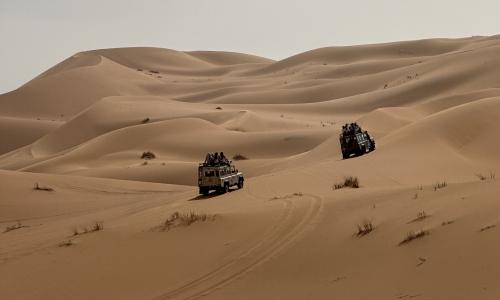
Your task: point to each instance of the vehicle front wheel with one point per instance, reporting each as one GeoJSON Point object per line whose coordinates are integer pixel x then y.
{"type": "Point", "coordinates": [226, 188]}
{"type": "Point", "coordinates": [240, 184]}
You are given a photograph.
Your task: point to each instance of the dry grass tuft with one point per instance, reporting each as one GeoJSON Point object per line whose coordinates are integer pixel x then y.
{"type": "Point", "coordinates": [487, 228]}
{"type": "Point", "coordinates": [185, 219]}
{"type": "Point", "coordinates": [296, 194]}
{"type": "Point", "coordinates": [421, 215]}
{"type": "Point", "coordinates": [440, 185]}
{"type": "Point", "coordinates": [97, 226]}
{"type": "Point", "coordinates": [444, 223]}
{"type": "Point", "coordinates": [481, 176]}
{"type": "Point", "coordinates": [148, 155]}
{"type": "Point", "coordinates": [413, 235]}
{"type": "Point", "coordinates": [484, 177]}
{"type": "Point", "coordinates": [365, 228]}
{"type": "Point", "coordinates": [16, 226]}
{"type": "Point", "coordinates": [66, 243]}
{"type": "Point", "coordinates": [239, 156]}
{"type": "Point", "coordinates": [42, 188]}
{"type": "Point", "coordinates": [349, 181]}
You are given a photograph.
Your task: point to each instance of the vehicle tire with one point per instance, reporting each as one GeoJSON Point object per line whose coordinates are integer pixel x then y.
{"type": "Point", "coordinates": [345, 155]}
{"type": "Point", "coordinates": [225, 189]}
{"type": "Point", "coordinates": [362, 150]}
{"type": "Point", "coordinates": [204, 191]}
{"type": "Point", "coordinates": [240, 184]}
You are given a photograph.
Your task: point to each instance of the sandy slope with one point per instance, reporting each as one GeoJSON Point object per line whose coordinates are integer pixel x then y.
{"type": "Point", "coordinates": [432, 105]}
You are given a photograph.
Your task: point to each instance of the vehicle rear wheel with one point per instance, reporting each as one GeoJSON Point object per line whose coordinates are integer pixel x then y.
{"type": "Point", "coordinates": [240, 184]}
{"type": "Point", "coordinates": [204, 191]}
{"type": "Point", "coordinates": [345, 155]}
{"type": "Point", "coordinates": [362, 150]}
{"type": "Point", "coordinates": [226, 188]}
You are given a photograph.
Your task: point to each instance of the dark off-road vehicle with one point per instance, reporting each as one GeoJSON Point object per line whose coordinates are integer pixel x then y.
{"type": "Point", "coordinates": [354, 140]}
{"type": "Point", "coordinates": [219, 174]}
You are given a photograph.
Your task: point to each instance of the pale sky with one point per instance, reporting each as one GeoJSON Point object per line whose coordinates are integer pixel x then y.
{"type": "Point", "coordinates": [36, 34]}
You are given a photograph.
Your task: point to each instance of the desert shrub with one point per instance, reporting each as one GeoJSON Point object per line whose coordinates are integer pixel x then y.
{"type": "Point", "coordinates": [97, 226]}
{"type": "Point", "coordinates": [349, 181]}
{"type": "Point", "coordinates": [185, 219]}
{"type": "Point", "coordinates": [42, 188]}
{"type": "Point", "coordinates": [421, 215]}
{"type": "Point", "coordinates": [365, 228]}
{"type": "Point", "coordinates": [16, 226]}
{"type": "Point", "coordinates": [66, 243]}
{"type": "Point", "coordinates": [146, 120]}
{"type": "Point", "coordinates": [440, 185]}
{"type": "Point", "coordinates": [487, 228]}
{"type": "Point", "coordinates": [484, 177]}
{"type": "Point", "coordinates": [444, 223]}
{"type": "Point", "coordinates": [481, 176]}
{"type": "Point", "coordinates": [239, 156]}
{"type": "Point", "coordinates": [412, 235]}
{"type": "Point", "coordinates": [154, 71]}
{"type": "Point", "coordinates": [219, 108]}
{"type": "Point", "coordinates": [148, 155]}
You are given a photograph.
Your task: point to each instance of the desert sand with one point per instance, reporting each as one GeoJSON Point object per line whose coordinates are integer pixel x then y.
{"type": "Point", "coordinates": [79, 130]}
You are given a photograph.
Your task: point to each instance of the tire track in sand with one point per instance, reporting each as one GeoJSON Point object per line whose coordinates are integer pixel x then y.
{"type": "Point", "coordinates": [292, 225]}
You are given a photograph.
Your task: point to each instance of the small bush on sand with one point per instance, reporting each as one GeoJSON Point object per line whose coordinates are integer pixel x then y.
{"type": "Point", "coordinates": [484, 177]}
{"type": "Point", "coordinates": [239, 156]}
{"type": "Point", "coordinates": [66, 243]}
{"type": "Point", "coordinates": [219, 108]}
{"type": "Point", "coordinates": [185, 219]}
{"type": "Point", "coordinates": [487, 228]}
{"type": "Point", "coordinates": [412, 235]}
{"type": "Point", "coordinates": [154, 71]}
{"type": "Point", "coordinates": [365, 228]}
{"type": "Point", "coordinates": [421, 215]}
{"type": "Point", "coordinates": [146, 120]}
{"type": "Point", "coordinates": [16, 226]}
{"type": "Point", "coordinates": [444, 223]}
{"type": "Point", "coordinates": [440, 185]}
{"type": "Point", "coordinates": [481, 176]}
{"type": "Point", "coordinates": [148, 155]}
{"type": "Point", "coordinates": [349, 181]}
{"type": "Point", "coordinates": [42, 188]}
{"type": "Point", "coordinates": [97, 226]}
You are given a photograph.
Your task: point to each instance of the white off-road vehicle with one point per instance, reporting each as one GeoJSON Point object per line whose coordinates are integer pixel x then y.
{"type": "Point", "coordinates": [219, 174]}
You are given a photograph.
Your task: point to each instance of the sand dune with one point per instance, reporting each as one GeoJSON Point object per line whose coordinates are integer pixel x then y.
{"type": "Point", "coordinates": [79, 129]}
